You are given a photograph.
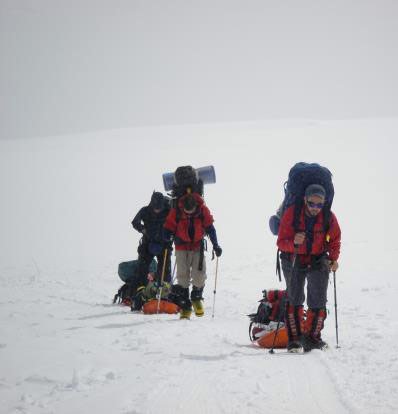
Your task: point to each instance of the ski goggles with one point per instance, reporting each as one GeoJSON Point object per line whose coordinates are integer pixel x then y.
{"type": "Point", "coordinates": [315, 205]}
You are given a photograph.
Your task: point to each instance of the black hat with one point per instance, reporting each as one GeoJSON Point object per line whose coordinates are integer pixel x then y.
{"type": "Point", "coordinates": [157, 200]}
{"type": "Point", "coordinates": [190, 203]}
{"type": "Point", "coordinates": [315, 189]}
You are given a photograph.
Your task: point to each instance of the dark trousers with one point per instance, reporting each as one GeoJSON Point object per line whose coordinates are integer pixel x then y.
{"type": "Point", "coordinates": [144, 260]}
{"type": "Point", "coordinates": [317, 277]}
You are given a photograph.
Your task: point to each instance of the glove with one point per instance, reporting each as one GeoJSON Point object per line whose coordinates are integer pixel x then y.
{"type": "Point", "coordinates": [168, 244]}
{"type": "Point", "coordinates": [217, 250]}
{"type": "Point", "coordinates": [333, 265]}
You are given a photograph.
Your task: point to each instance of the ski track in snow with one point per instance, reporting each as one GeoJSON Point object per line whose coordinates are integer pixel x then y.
{"type": "Point", "coordinates": [71, 352]}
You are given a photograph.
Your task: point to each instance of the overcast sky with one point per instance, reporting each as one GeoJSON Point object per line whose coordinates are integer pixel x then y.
{"type": "Point", "coordinates": [75, 66]}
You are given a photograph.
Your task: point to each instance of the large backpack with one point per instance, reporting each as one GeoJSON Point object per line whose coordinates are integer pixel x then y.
{"type": "Point", "coordinates": [186, 180]}
{"type": "Point", "coordinates": [128, 273]}
{"type": "Point", "coordinates": [301, 175]}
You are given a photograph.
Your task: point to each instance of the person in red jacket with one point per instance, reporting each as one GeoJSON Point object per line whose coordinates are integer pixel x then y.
{"type": "Point", "coordinates": [187, 225]}
{"type": "Point", "coordinates": [308, 253]}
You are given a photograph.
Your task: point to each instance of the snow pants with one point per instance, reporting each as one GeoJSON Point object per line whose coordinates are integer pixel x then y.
{"type": "Point", "coordinates": [317, 283]}
{"type": "Point", "coordinates": [188, 268]}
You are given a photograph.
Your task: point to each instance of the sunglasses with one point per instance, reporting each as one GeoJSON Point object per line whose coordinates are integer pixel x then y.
{"type": "Point", "coordinates": [315, 205]}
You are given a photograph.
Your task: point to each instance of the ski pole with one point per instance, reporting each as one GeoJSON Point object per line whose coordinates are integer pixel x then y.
{"type": "Point", "coordinates": [215, 288]}
{"type": "Point", "coordinates": [335, 309]}
{"type": "Point", "coordinates": [174, 272]}
{"type": "Point", "coordinates": [271, 351]}
{"type": "Point", "coordinates": [296, 246]}
{"type": "Point", "coordinates": [280, 315]}
{"type": "Point", "coordinates": [161, 280]}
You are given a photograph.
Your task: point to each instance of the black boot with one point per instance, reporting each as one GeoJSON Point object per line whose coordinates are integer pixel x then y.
{"type": "Point", "coordinates": [197, 300]}
{"type": "Point", "coordinates": [180, 296]}
{"type": "Point", "coordinates": [186, 305]}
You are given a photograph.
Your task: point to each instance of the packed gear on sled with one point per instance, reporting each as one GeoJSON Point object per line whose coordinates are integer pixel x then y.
{"type": "Point", "coordinates": [164, 306]}
{"type": "Point", "coordinates": [149, 297]}
{"type": "Point", "coordinates": [157, 292]}
{"type": "Point", "coordinates": [277, 324]}
{"type": "Point", "coordinates": [266, 328]}
{"type": "Point", "coordinates": [128, 273]}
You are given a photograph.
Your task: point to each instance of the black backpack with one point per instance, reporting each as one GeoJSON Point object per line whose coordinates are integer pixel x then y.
{"type": "Point", "coordinates": [301, 175]}
{"type": "Point", "coordinates": [186, 181]}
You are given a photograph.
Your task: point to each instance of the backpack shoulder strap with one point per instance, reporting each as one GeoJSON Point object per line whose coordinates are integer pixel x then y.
{"type": "Point", "coordinates": [178, 214]}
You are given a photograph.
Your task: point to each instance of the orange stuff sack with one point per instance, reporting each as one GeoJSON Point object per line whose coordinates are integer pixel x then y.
{"type": "Point", "coordinates": [267, 340]}
{"type": "Point", "coordinates": [165, 306]}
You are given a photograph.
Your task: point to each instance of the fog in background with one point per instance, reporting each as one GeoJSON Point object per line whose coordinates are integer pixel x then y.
{"type": "Point", "coordinates": [88, 65]}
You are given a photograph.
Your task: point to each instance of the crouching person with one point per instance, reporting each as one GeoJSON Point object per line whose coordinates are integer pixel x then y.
{"type": "Point", "coordinates": [187, 224]}
{"type": "Point", "coordinates": [149, 221]}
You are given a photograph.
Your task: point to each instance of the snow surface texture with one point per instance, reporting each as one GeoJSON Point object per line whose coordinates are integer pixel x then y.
{"type": "Point", "coordinates": [65, 214]}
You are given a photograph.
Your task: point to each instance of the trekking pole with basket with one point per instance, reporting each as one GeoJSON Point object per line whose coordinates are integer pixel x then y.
{"type": "Point", "coordinates": [335, 309]}
{"type": "Point", "coordinates": [174, 272]}
{"type": "Point", "coordinates": [271, 351]}
{"type": "Point", "coordinates": [215, 288]}
{"type": "Point", "coordinates": [296, 247]}
{"type": "Point", "coordinates": [161, 280]}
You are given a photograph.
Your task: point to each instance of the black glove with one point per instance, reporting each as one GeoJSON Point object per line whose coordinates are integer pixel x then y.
{"type": "Point", "coordinates": [168, 244]}
{"type": "Point", "coordinates": [217, 250]}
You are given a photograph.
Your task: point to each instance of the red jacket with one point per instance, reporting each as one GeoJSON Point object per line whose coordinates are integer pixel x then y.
{"type": "Point", "coordinates": [322, 243]}
{"type": "Point", "coordinates": [201, 219]}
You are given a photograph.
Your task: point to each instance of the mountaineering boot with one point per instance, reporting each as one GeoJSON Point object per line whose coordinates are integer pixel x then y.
{"type": "Point", "coordinates": [180, 296]}
{"type": "Point", "coordinates": [310, 343]}
{"type": "Point", "coordinates": [294, 322]}
{"type": "Point", "coordinates": [312, 330]}
{"type": "Point", "coordinates": [295, 347]}
{"type": "Point", "coordinates": [197, 300]}
{"type": "Point", "coordinates": [185, 304]}
{"type": "Point", "coordinates": [198, 307]}
{"type": "Point", "coordinates": [185, 313]}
